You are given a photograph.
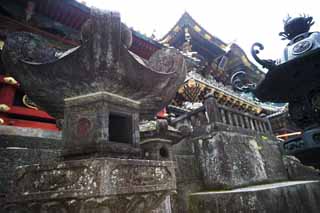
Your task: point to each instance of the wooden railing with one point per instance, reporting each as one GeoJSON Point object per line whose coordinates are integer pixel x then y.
{"type": "Point", "coordinates": [224, 118]}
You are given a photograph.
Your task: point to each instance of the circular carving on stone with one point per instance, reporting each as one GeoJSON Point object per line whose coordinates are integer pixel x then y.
{"type": "Point", "coordinates": [83, 127]}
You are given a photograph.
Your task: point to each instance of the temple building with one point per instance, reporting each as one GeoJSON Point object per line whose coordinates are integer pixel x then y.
{"type": "Point", "coordinates": [213, 67]}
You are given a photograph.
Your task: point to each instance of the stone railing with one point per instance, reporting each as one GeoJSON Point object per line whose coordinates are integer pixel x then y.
{"type": "Point", "coordinates": [224, 118]}
{"type": "Point", "coordinates": [235, 118]}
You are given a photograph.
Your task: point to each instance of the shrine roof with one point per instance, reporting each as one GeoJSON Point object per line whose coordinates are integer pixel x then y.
{"type": "Point", "coordinates": [60, 20]}
{"type": "Point", "coordinates": [207, 44]}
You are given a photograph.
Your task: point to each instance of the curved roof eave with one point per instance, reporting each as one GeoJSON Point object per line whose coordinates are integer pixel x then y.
{"type": "Point", "coordinates": [237, 50]}
{"type": "Point", "coordinates": [187, 20]}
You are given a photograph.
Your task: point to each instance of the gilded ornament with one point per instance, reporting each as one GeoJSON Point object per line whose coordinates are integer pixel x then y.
{"type": "Point", "coordinates": [197, 28]}
{"type": "Point", "coordinates": [207, 36]}
{"type": "Point", "coordinates": [10, 80]}
{"type": "Point", "coordinates": [29, 103]}
{"type": "Point", "coordinates": [4, 108]}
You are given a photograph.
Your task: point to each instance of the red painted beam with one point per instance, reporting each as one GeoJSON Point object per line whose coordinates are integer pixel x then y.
{"type": "Point", "coordinates": [31, 124]}
{"type": "Point", "coordinates": [29, 112]}
{"type": "Point", "coordinates": [7, 94]}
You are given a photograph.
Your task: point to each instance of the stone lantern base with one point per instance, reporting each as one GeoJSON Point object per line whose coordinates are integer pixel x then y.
{"type": "Point", "coordinates": [92, 185]}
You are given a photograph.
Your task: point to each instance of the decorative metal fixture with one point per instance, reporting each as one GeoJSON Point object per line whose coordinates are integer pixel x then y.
{"type": "Point", "coordinates": [295, 79]}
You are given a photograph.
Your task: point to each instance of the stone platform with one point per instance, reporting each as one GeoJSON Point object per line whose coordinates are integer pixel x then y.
{"type": "Point", "coordinates": [290, 196]}
{"type": "Point", "coordinates": [92, 185]}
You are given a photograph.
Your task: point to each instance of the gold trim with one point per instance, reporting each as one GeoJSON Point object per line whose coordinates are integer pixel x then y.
{"type": "Point", "coordinates": [1, 44]}
{"type": "Point", "coordinates": [10, 80]}
{"type": "Point", "coordinates": [192, 83]}
{"type": "Point", "coordinates": [29, 105]}
{"type": "Point", "coordinates": [1, 121]}
{"type": "Point", "coordinates": [176, 29]}
{"type": "Point", "coordinates": [197, 28]}
{"type": "Point", "coordinates": [258, 110]}
{"type": "Point", "coordinates": [181, 89]}
{"type": "Point", "coordinates": [222, 46]}
{"type": "Point", "coordinates": [4, 108]}
{"type": "Point", "coordinates": [245, 61]}
{"type": "Point", "coordinates": [207, 36]}
{"type": "Point", "coordinates": [166, 40]}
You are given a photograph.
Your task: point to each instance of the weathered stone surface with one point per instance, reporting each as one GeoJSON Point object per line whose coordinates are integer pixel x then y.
{"type": "Point", "coordinates": [13, 157]}
{"type": "Point", "coordinates": [134, 184]}
{"type": "Point", "coordinates": [24, 146]}
{"type": "Point", "coordinates": [164, 207]}
{"type": "Point", "coordinates": [101, 124]}
{"type": "Point", "coordinates": [291, 197]}
{"type": "Point", "coordinates": [11, 136]}
{"type": "Point", "coordinates": [136, 203]}
{"type": "Point", "coordinates": [157, 139]}
{"type": "Point", "coordinates": [297, 171]}
{"type": "Point", "coordinates": [229, 160]}
{"type": "Point", "coordinates": [101, 63]}
{"type": "Point", "coordinates": [180, 200]}
{"type": "Point", "coordinates": [188, 175]}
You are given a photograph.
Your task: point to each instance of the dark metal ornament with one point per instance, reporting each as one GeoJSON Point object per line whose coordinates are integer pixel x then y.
{"type": "Point", "coordinates": [296, 79]}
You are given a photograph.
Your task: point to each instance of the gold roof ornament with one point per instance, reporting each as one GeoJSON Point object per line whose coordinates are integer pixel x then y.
{"type": "Point", "coordinates": [29, 103]}
{"type": "Point", "coordinates": [166, 40]}
{"type": "Point", "coordinates": [191, 83]}
{"type": "Point", "coordinates": [197, 28]}
{"type": "Point", "coordinates": [207, 36]}
{"type": "Point", "coordinates": [10, 80]}
{"type": "Point", "coordinates": [1, 44]}
{"type": "Point", "coordinates": [193, 89]}
{"type": "Point", "coordinates": [177, 29]}
{"type": "Point", "coordinates": [4, 108]}
{"type": "Point", "coordinates": [245, 61]}
{"type": "Point", "coordinates": [258, 110]}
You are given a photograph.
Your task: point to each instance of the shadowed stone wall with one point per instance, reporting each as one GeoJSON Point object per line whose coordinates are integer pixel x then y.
{"type": "Point", "coordinates": [226, 160]}
{"type": "Point", "coordinates": [293, 197]}
{"type": "Point", "coordinates": [25, 146]}
{"type": "Point", "coordinates": [188, 175]}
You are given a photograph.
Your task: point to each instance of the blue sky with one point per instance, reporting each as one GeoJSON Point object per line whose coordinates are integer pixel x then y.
{"type": "Point", "coordinates": [244, 22]}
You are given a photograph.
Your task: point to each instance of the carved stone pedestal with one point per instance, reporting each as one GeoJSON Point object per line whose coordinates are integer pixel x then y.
{"type": "Point", "coordinates": [92, 185]}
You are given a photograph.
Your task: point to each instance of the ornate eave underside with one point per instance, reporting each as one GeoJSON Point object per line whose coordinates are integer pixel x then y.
{"type": "Point", "coordinates": [194, 90]}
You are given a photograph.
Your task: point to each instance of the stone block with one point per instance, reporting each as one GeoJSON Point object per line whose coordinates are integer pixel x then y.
{"type": "Point", "coordinates": [289, 197]}
{"type": "Point", "coordinates": [229, 160]}
{"type": "Point", "coordinates": [92, 185]}
{"type": "Point", "coordinates": [180, 199]}
{"type": "Point", "coordinates": [297, 171]}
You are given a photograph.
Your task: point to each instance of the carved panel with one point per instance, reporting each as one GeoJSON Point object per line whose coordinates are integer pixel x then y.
{"type": "Point", "coordinates": [59, 179]}
{"type": "Point", "coordinates": [128, 176]}
{"type": "Point", "coordinates": [130, 203]}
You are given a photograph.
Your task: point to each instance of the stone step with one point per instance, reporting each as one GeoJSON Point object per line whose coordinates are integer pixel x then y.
{"type": "Point", "coordinates": [291, 196]}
